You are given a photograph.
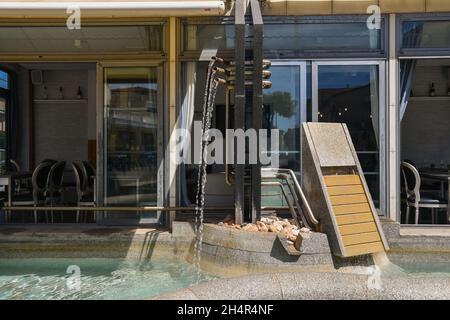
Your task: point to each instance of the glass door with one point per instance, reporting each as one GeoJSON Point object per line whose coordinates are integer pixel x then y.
{"type": "Point", "coordinates": [285, 109]}
{"type": "Point", "coordinates": [132, 135]}
{"type": "Point", "coordinates": [351, 93]}
{"type": "Point", "coordinates": [4, 102]}
{"type": "Point", "coordinates": [3, 160]}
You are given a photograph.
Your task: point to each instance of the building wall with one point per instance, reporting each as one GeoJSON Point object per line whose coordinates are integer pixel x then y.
{"type": "Point", "coordinates": [318, 7]}
{"type": "Point", "coordinates": [61, 130]}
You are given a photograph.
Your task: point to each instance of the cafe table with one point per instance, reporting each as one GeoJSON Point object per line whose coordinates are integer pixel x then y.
{"type": "Point", "coordinates": [444, 178]}
{"type": "Point", "coordinates": [7, 180]}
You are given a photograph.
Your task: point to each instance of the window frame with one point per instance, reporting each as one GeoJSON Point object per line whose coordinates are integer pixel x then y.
{"type": "Point", "coordinates": [328, 53]}
{"type": "Point", "coordinates": [194, 55]}
{"type": "Point", "coordinates": [289, 53]}
{"type": "Point", "coordinates": [6, 94]}
{"type": "Point", "coordinates": [405, 53]}
{"type": "Point", "coordinates": [94, 55]}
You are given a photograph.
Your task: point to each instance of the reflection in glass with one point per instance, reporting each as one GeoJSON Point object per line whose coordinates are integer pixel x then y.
{"type": "Point", "coordinates": [132, 129]}
{"type": "Point", "coordinates": [426, 34]}
{"type": "Point", "coordinates": [204, 36]}
{"type": "Point", "coordinates": [4, 80]}
{"type": "Point", "coordinates": [2, 135]}
{"type": "Point", "coordinates": [319, 36]}
{"type": "Point", "coordinates": [349, 94]}
{"type": "Point", "coordinates": [282, 112]}
{"type": "Point", "coordinates": [87, 39]}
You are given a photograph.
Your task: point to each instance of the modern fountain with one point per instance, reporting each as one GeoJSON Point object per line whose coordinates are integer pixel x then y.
{"type": "Point", "coordinates": [212, 83]}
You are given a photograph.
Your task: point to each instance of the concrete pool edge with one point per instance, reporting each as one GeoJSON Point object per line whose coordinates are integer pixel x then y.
{"type": "Point", "coordinates": [225, 252]}
{"type": "Point", "coordinates": [314, 286]}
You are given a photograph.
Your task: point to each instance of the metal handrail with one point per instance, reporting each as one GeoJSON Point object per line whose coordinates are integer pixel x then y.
{"type": "Point", "coordinates": [93, 208]}
{"type": "Point", "coordinates": [299, 216]}
{"type": "Point", "coordinates": [311, 218]}
{"type": "Point", "coordinates": [283, 190]}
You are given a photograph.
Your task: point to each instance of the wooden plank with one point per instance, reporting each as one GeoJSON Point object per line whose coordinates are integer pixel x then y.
{"type": "Point", "coordinates": [351, 208]}
{"type": "Point", "coordinates": [354, 218]}
{"type": "Point", "coordinates": [365, 248]}
{"type": "Point", "coordinates": [344, 190]}
{"type": "Point", "coordinates": [354, 239]}
{"type": "Point", "coordinates": [342, 180]}
{"type": "Point", "coordinates": [358, 228]}
{"type": "Point", "coordinates": [348, 199]}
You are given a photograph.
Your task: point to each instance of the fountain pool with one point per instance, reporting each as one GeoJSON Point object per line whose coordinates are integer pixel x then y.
{"type": "Point", "coordinates": [103, 278]}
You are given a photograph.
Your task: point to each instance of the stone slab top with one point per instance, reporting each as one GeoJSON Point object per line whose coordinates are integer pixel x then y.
{"type": "Point", "coordinates": [331, 144]}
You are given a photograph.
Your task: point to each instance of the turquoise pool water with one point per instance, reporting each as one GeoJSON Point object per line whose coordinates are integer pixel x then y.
{"type": "Point", "coordinates": [430, 264]}
{"type": "Point", "coordinates": [99, 278]}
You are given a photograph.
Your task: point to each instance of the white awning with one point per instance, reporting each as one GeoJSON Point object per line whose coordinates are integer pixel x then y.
{"type": "Point", "coordinates": [111, 9]}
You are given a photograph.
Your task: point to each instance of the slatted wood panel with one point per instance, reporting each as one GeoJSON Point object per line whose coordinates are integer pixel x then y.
{"type": "Point", "coordinates": [353, 214]}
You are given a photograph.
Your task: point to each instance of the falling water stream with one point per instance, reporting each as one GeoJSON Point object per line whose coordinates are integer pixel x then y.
{"type": "Point", "coordinates": [208, 107]}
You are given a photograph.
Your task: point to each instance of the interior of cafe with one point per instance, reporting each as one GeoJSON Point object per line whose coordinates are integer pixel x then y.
{"type": "Point", "coordinates": [425, 141]}
{"type": "Point", "coordinates": [50, 133]}
{"type": "Point", "coordinates": [50, 125]}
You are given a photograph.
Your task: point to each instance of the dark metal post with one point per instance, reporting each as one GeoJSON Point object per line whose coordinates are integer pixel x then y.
{"type": "Point", "coordinates": [239, 105]}
{"type": "Point", "coordinates": [257, 104]}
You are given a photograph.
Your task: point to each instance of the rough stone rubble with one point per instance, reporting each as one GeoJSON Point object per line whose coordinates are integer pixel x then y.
{"type": "Point", "coordinates": [286, 227]}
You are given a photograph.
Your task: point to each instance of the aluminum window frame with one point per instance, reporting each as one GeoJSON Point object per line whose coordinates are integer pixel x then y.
{"type": "Point", "coordinates": [41, 55]}
{"type": "Point", "coordinates": [328, 53]}
{"type": "Point", "coordinates": [303, 66]}
{"type": "Point", "coordinates": [411, 53]}
{"type": "Point", "coordinates": [7, 95]}
{"type": "Point", "coordinates": [194, 55]}
{"type": "Point", "coordinates": [102, 140]}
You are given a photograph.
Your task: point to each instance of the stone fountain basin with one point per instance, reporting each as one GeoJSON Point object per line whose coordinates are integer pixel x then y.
{"type": "Point", "coordinates": [229, 252]}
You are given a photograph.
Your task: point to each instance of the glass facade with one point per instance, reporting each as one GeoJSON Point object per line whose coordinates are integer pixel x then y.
{"type": "Point", "coordinates": [425, 34]}
{"type": "Point", "coordinates": [322, 36]}
{"type": "Point", "coordinates": [131, 97]}
{"type": "Point", "coordinates": [350, 94]}
{"type": "Point", "coordinates": [282, 111]}
{"type": "Point", "coordinates": [208, 36]}
{"type": "Point", "coordinates": [90, 39]}
{"type": "Point", "coordinates": [4, 98]}
{"type": "Point", "coordinates": [4, 80]}
{"type": "Point", "coordinates": [343, 93]}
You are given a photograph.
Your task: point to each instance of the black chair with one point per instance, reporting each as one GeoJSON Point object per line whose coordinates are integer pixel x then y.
{"type": "Point", "coordinates": [54, 191]}
{"type": "Point", "coordinates": [85, 198]}
{"type": "Point", "coordinates": [49, 160]}
{"type": "Point", "coordinates": [39, 181]}
{"type": "Point", "coordinates": [414, 199]}
{"type": "Point", "coordinates": [426, 186]}
{"type": "Point", "coordinates": [15, 165]}
{"type": "Point", "coordinates": [89, 172]}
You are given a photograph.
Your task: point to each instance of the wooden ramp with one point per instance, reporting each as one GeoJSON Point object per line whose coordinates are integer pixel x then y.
{"type": "Point", "coordinates": [337, 191]}
{"type": "Point", "coordinates": [354, 218]}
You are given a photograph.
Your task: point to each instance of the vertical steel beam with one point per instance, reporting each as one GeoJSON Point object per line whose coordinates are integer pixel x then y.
{"type": "Point", "coordinates": [239, 106]}
{"type": "Point", "coordinates": [172, 102]}
{"type": "Point", "coordinates": [393, 130]}
{"type": "Point", "coordinates": [257, 104]}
